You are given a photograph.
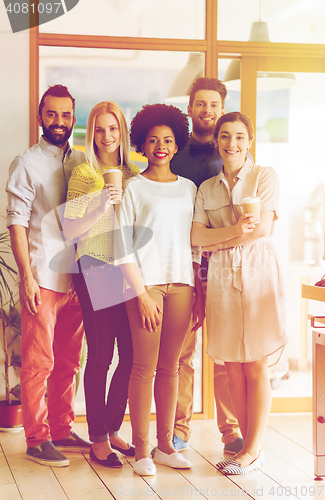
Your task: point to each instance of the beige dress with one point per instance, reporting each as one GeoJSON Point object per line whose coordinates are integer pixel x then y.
{"type": "Point", "coordinates": [245, 295]}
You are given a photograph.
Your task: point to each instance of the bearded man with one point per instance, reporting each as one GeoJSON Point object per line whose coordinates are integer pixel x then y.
{"type": "Point", "coordinates": [52, 329]}
{"type": "Point", "coordinates": [199, 161]}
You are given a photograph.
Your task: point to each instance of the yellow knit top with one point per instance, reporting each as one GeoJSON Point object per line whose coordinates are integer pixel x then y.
{"type": "Point", "coordinates": [84, 189]}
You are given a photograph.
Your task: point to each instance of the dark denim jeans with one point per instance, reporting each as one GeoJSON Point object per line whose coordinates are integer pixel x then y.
{"type": "Point", "coordinates": [98, 285]}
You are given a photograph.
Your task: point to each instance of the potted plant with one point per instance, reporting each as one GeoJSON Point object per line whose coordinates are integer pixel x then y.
{"type": "Point", "coordinates": [10, 407]}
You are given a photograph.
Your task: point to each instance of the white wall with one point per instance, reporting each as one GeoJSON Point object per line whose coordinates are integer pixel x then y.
{"type": "Point", "coordinates": [14, 106]}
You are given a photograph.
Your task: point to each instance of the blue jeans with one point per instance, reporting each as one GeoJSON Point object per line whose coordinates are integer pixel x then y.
{"type": "Point", "coordinates": [102, 327]}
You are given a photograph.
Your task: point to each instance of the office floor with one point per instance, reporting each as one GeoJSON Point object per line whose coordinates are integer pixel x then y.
{"type": "Point", "coordinates": [287, 473]}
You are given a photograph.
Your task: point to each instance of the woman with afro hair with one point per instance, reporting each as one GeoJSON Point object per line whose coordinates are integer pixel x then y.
{"type": "Point", "coordinates": [158, 267]}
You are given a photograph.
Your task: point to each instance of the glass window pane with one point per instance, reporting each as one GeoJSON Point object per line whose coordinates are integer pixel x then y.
{"type": "Point", "coordinates": [135, 18]}
{"type": "Point", "coordinates": [232, 102]}
{"type": "Point", "coordinates": [290, 21]}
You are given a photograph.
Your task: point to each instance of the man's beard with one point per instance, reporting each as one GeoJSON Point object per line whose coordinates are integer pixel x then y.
{"type": "Point", "coordinates": [203, 130]}
{"type": "Point", "coordinates": [56, 139]}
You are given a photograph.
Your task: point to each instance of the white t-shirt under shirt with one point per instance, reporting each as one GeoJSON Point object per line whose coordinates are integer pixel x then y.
{"type": "Point", "coordinates": [156, 220]}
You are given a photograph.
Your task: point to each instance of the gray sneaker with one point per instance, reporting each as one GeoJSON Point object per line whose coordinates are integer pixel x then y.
{"type": "Point", "coordinates": [46, 454]}
{"type": "Point", "coordinates": [179, 443]}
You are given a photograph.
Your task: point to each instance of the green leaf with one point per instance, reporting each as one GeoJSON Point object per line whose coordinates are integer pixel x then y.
{"type": "Point", "coordinates": [15, 360]}
{"type": "Point", "coordinates": [16, 391]}
{"type": "Point", "coordinates": [14, 319]}
{"type": "Point", "coordinates": [5, 269]}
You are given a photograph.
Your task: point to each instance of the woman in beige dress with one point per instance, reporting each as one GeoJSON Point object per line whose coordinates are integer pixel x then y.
{"type": "Point", "coordinates": [245, 295]}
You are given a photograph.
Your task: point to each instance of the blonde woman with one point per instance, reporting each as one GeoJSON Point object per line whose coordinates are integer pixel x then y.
{"type": "Point", "coordinates": [89, 217]}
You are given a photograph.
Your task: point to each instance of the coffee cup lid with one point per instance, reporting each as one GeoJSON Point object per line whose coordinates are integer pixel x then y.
{"type": "Point", "coordinates": [251, 199]}
{"type": "Point", "coordinates": [116, 169]}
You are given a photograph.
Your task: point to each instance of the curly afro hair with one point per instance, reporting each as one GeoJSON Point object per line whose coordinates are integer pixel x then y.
{"type": "Point", "coordinates": [159, 114]}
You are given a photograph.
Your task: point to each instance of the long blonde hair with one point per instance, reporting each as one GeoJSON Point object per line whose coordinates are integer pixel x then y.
{"type": "Point", "coordinates": [91, 148]}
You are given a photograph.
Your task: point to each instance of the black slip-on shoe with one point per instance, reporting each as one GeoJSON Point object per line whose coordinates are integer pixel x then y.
{"type": "Point", "coordinates": [234, 447]}
{"type": "Point", "coordinates": [73, 442]}
{"type": "Point", "coordinates": [112, 460]}
{"type": "Point", "coordinates": [129, 452]}
{"type": "Point", "coordinates": [46, 454]}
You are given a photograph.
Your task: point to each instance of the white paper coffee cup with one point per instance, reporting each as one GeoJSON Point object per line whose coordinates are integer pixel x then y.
{"type": "Point", "coordinates": [114, 176]}
{"type": "Point", "coordinates": [252, 205]}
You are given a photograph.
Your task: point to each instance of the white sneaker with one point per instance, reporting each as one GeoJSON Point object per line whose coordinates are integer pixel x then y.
{"type": "Point", "coordinates": [144, 467]}
{"type": "Point", "coordinates": [174, 460]}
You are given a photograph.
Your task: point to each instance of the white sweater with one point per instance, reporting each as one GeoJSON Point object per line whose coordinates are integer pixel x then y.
{"type": "Point", "coordinates": [159, 217]}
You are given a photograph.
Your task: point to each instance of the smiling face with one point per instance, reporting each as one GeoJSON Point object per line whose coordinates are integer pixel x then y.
{"type": "Point", "coordinates": [205, 112]}
{"type": "Point", "coordinates": [159, 146]}
{"type": "Point", "coordinates": [57, 120]}
{"type": "Point", "coordinates": [107, 135]}
{"type": "Point", "coordinates": [233, 142]}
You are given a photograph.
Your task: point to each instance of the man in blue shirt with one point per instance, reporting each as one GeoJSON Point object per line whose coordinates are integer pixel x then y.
{"type": "Point", "coordinates": [199, 161]}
